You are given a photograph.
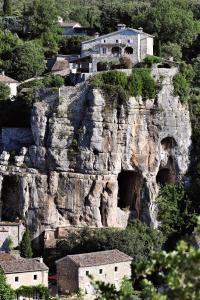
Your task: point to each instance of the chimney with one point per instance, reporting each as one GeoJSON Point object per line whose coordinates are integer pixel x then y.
{"type": "Point", "coordinates": [41, 259]}
{"type": "Point", "coordinates": [96, 35]}
{"type": "Point", "coordinates": [3, 73]}
{"type": "Point", "coordinates": [121, 26]}
{"type": "Point", "coordinates": [140, 29]}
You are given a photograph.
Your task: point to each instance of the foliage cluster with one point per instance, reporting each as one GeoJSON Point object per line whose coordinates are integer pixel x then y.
{"type": "Point", "coordinates": [174, 275]}
{"type": "Point", "coordinates": [4, 92]}
{"type": "Point", "coordinates": [182, 82]}
{"type": "Point", "coordinates": [117, 85]}
{"type": "Point", "coordinates": [6, 292]}
{"type": "Point", "coordinates": [29, 291]}
{"type": "Point", "coordinates": [137, 240]}
{"type": "Point", "coordinates": [175, 212]}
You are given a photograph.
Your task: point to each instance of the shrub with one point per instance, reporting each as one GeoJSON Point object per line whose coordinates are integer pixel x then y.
{"type": "Point", "coordinates": [174, 210]}
{"type": "Point", "coordinates": [115, 78]}
{"type": "Point", "coordinates": [171, 50]}
{"type": "Point", "coordinates": [142, 84]}
{"type": "Point", "coordinates": [4, 92]}
{"type": "Point", "coordinates": [137, 240]}
{"type": "Point", "coordinates": [135, 84]}
{"type": "Point", "coordinates": [126, 62]}
{"type": "Point", "coordinates": [181, 87]}
{"type": "Point", "coordinates": [53, 81]}
{"type": "Point", "coordinates": [152, 59]}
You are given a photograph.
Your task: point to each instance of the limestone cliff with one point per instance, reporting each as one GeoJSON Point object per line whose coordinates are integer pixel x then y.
{"type": "Point", "coordinates": [96, 163]}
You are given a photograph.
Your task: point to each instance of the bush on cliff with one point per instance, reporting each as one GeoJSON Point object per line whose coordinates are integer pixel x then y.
{"type": "Point", "coordinates": [137, 240]}
{"type": "Point", "coordinates": [113, 83]}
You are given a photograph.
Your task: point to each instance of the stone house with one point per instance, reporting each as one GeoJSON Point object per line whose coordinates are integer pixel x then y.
{"type": "Point", "coordinates": [24, 272]}
{"type": "Point", "coordinates": [109, 266]}
{"type": "Point", "coordinates": [125, 42]}
{"type": "Point", "coordinates": [10, 230]}
{"type": "Point", "coordinates": [11, 83]}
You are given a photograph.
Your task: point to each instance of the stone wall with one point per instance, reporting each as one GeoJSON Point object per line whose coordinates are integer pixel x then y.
{"type": "Point", "coordinates": [109, 273]}
{"type": "Point", "coordinates": [67, 274]}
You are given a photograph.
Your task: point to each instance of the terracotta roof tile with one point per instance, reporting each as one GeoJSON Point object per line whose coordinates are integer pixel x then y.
{"type": "Point", "coordinates": [6, 79]}
{"type": "Point", "coordinates": [20, 265]}
{"type": "Point", "coordinates": [6, 257]}
{"type": "Point", "coordinates": [99, 258]}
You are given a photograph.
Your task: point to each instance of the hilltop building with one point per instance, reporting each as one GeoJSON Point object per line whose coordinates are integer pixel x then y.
{"type": "Point", "coordinates": [125, 42]}
{"type": "Point", "coordinates": [109, 266]}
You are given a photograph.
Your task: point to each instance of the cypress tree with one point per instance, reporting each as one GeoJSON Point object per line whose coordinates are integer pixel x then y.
{"type": "Point", "coordinates": [7, 7]}
{"type": "Point", "coordinates": [25, 247]}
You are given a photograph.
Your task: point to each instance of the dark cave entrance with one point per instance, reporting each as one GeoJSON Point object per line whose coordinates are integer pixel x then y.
{"type": "Point", "coordinates": [168, 143]}
{"type": "Point", "coordinates": [10, 199]}
{"type": "Point", "coordinates": [129, 190]}
{"type": "Point", "coordinates": [165, 176]}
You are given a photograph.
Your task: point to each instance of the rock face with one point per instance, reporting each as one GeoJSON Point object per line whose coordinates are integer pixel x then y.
{"type": "Point", "coordinates": [96, 163]}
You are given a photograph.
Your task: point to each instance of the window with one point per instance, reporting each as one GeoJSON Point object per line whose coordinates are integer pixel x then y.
{"type": "Point", "coordinates": [35, 277]}
{"type": "Point", "coordinates": [104, 41]}
{"type": "Point", "coordinates": [117, 41]}
{"type": "Point", "coordinates": [100, 271]}
{"type": "Point", "coordinates": [87, 273]}
{"type": "Point", "coordinates": [116, 269]}
{"type": "Point", "coordinates": [130, 41]}
{"type": "Point", "coordinates": [104, 50]}
{"type": "Point", "coordinates": [16, 279]}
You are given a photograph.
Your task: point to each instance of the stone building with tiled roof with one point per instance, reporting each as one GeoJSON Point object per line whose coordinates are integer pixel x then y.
{"type": "Point", "coordinates": [23, 271]}
{"type": "Point", "coordinates": [109, 266]}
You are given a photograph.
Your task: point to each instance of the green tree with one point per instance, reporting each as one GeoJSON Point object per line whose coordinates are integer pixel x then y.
{"type": "Point", "coordinates": [25, 246]}
{"type": "Point", "coordinates": [7, 7]}
{"type": "Point", "coordinates": [172, 21]}
{"type": "Point", "coordinates": [28, 61]}
{"type": "Point", "coordinates": [40, 16]}
{"type": "Point", "coordinates": [4, 92]}
{"type": "Point", "coordinates": [6, 292]}
{"type": "Point", "coordinates": [8, 43]}
{"type": "Point", "coordinates": [174, 275]}
{"type": "Point", "coordinates": [171, 50]}
{"type": "Point", "coordinates": [137, 240]}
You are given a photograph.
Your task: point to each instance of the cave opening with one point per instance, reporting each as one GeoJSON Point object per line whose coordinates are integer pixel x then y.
{"type": "Point", "coordinates": [129, 190]}
{"type": "Point", "coordinates": [168, 143]}
{"type": "Point", "coordinates": [10, 199]}
{"type": "Point", "coordinates": [166, 176]}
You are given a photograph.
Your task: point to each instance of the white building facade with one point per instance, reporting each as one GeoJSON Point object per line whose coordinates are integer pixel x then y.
{"type": "Point", "coordinates": [125, 42]}
{"type": "Point", "coordinates": [108, 266]}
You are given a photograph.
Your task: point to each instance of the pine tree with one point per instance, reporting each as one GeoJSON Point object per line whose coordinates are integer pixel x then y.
{"type": "Point", "coordinates": [25, 247]}
{"type": "Point", "coordinates": [7, 7]}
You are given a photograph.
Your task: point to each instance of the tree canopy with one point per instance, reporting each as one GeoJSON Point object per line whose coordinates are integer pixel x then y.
{"type": "Point", "coordinates": [6, 292]}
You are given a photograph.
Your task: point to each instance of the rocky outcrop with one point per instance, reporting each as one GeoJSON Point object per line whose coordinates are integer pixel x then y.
{"type": "Point", "coordinates": [97, 163]}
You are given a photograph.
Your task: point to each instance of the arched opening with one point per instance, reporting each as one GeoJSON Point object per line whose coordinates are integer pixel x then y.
{"type": "Point", "coordinates": [116, 51]}
{"type": "Point", "coordinates": [129, 191]}
{"type": "Point", "coordinates": [168, 143]}
{"type": "Point", "coordinates": [166, 176]}
{"type": "Point", "coordinates": [128, 50]}
{"type": "Point", "coordinates": [10, 199]}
